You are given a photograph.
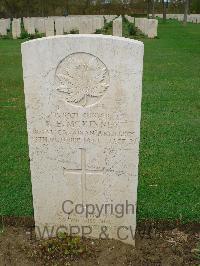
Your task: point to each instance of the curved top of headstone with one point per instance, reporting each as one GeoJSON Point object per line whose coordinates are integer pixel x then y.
{"type": "Point", "coordinates": [85, 36]}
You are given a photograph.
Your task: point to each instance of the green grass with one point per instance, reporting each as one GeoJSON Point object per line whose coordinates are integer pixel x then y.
{"type": "Point", "coordinates": [169, 176]}
{"type": "Point", "coordinates": [15, 185]}
{"type": "Point", "coordinates": [170, 144]}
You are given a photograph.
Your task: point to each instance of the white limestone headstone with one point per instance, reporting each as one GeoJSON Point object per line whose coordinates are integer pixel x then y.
{"type": "Point", "coordinates": [180, 17]}
{"type": "Point", "coordinates": [71, 23]}
{"type": "Point", "coordinates": [86, 26]}
{"type": "Point", "coordinates": [152, 28]}
{"type": "Point", "coordinates": [110, 18]}
{"type": "Point", "coordinates": [192, 19]}
{"type": "Point", "coordinates": [59, 25]}
{"type": "Point", "coordinates": [142, 24]}
{"type": "Point", "coordinates": [97, 23]}
{"type": "Point", "coordinates": [130, 19]}
{"type": "Point", "coordinates": [117, 26]}
{"type": "Point", "coordinates": [25, 23]}
{"type": "Point", "coordinates": [137, 22]}
{"type": "Point", "coordinates": [40, 25]}
{"type": "Point", "coordinates": [66, 26]}
{"type": "Point", "coordinates": [8, 22]}
{"type": "Point", "coordinates": [198, 19]}
{"type": "Point", "coordinates": [49, 26]}
{"type": "Point", "coordinates": [3, 27]}
{"type": "Point", "coordinates": [148, 27]}
{"type": "Point", "coordinates": [16, 28]}
{"type": "Point", "coordinates": [83, 107]}
{"type": "Point", "coordinates": [31, 26]}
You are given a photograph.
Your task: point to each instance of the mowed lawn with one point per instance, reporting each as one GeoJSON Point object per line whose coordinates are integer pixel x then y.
{"type": "Point", "coordinates": [169, 171]}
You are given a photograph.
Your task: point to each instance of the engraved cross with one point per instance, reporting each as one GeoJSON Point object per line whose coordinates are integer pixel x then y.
{"type": "Point", "coordinates": [83, 171]}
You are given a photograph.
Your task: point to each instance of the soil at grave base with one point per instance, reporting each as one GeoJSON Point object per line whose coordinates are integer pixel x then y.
{"type": "Point", "coordinates": [153, 248]}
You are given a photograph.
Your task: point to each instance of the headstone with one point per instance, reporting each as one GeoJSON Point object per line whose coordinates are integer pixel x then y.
{"type": "Point", "coordinates": [31, 26]}
{"type": "Point", "coordinates": [198, 19]}
{"type": "Point", "coordinates": [59, 25]}
{"type": "Point", "coordinates": [16, 28]}
{"type": "Point", "coordinates": [40, 25]}
{"type": "Point", "coordinates": [148, 27]}
{"type": "Point", "coordinates": [152, 28]}
{"type": "Point", "coordinates": [8, 22]}
{"type": "Point", "coordinates": [71, 23]}
{"type": "Point", "coordinates": [180, 17]}
{"type": "Point", "coordinates": [49, 26]}
{"type": "Point", "coordinates": [3, 27]}
{"type": "Point", "coordinates": [25, 22]}
{"type": "Point", "coordinates": [117, 26]}
{"type": "Point", "coordinates": [83, 106]}
{"type": "Point", "coordinates": [86, 26]}
{"type": "Point", "coordinates": [110, 18]}
{"type": "Point", "coordinates": [130, 19]}
{"type": "Point", "coordinates": [97, 23]}
{"type": "Point", "coordinates": [138, 22]}
{"type": "Point", "coordinates": [142, 24]}
{"type": "Point", "coordinates": [192, 19]}
{"type": "Point", "coordinates": [66, 26]}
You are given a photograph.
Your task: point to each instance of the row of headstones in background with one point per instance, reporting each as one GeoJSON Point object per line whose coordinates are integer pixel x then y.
{"type": "Point", "coordinates": [147, 26]}
{"type": "Point", "coordinates": [84, 24]}
{"type": "Point", "coordinates": [55, 25]}
{"type": "Point", "coordinates": [194, 18]}
{"type": "Point", "coordinates": [5, 25]}
{"type": "Point", "coordinates": [60, 25]}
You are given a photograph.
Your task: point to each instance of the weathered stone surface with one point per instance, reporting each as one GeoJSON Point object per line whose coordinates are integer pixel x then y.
{"type": "Point", "coordinates": [97, 23]}
{"type": "Point", "coordinates": [66, 26]}
{"type": "Point", "coordinates": [59, 25]}
{"type": "Point", "coordinates": [3, 27]}
{"type": "Point", "coordinates": [117, 27]}
{"type": "Point", "coordinates": [141, 24]}
{"type": "Point", "coordinates": [83, 106]}
{"type": "Point", "coordinates": [110, 18]}
{"type": "Point", "coordinates": [198, 19]}
{"type": "Point", "coordinates": [71, 23]}
{"type": "Point", "coordinates": [89, 24]}
{"type": "Point", "coordinates": [147, 26]}
{"type": "Point", "coordinates": [8, 22]}
{"type": "Point", "coordinates": [31, 26]}
{"type": "Point", "coordinates": [85, 26]}
{"type": "Point", "coordinates": [16, 28]}
{"type": "Point", "coordinates": [25, 22]}
{"type": "Point", "coordinates": [40, 25]}
{"type": "Point", "coordinates": [152, 28]}
{"type": "Point", "coordinates": [49, 26]}
{"type": "Point", "coordinates": [130, 19]}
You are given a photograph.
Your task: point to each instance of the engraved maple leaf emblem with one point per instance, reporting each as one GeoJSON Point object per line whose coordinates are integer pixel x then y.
{"type": "Point", "coordinates": [81, 78]}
